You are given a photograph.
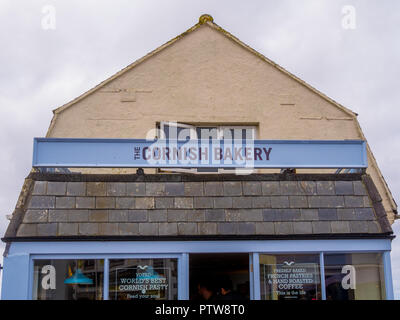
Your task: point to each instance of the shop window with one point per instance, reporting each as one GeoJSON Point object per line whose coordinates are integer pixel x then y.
{"type": "Point", "coordinates": [185, 132]}
{"type": "Point", "coordinates": [149, 279]}
{"type": "Point", "coordinates": [290, 277]}
{"type": "Point", "coordinates": [354, 276]}
{"type": "Point", "coordinates": [219, 277]}
{"type": "Point", "coordinates": [68, 280]}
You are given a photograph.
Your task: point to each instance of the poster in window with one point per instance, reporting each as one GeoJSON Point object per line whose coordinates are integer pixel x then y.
{"type": "Point", "coordinates": [291, 281]}
{"type": "Point", "coordinates": [142, 282]}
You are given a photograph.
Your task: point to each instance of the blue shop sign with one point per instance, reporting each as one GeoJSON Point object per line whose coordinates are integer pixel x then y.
{"type": "Point", "coordinates": [139, 153]}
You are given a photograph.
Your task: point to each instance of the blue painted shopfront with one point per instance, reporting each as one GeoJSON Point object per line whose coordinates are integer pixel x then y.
{"type": "Point", "coordinates": [18, 265]}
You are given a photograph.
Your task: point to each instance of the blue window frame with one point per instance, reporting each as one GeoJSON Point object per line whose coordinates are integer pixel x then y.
{"type": "Point", "coordinates": [106, 266]}
{"type": "Point", "coordinates": [18, 265]}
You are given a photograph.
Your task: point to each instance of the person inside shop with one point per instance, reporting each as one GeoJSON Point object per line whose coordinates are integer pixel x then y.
{"type": "Point", "coordinates": [226, 291]}
{"type": "Point", "coordinates": [206, 290]}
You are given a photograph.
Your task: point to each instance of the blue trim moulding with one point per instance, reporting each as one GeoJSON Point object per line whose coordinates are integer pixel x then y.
{"type": "Point", "coordinates": [139, 153]}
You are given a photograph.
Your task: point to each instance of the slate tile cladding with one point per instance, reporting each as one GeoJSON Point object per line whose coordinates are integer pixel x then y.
{"type": "Point", "coordinates": [199, 205]}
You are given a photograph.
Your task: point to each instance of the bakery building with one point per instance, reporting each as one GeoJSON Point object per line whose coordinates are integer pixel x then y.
{"type": "Point", "coordinates": [203, 160]}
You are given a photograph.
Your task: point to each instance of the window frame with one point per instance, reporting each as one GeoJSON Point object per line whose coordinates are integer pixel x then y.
{"type": "Point", "coordinates": [32, 262]}
{"type": "Point", "coordinates": [106, 266]}
{"type": "Point", "coordinates": [316, 254]}
{"type": "Point", "coordinates": [383, 276]}
{"type": "Point", "coordinates": [181, 251]}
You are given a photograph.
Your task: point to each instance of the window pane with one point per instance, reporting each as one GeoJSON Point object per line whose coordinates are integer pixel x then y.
{"type": "Point", "coordinates": [354, 276]}
{"type": "Point", "coordinates": [207, 133]}
{"type": "Point", "coordinates": [68, 280]}
{"type": "Point", "coordinates": [290, 277]}
{"type": "Point", "coordinates": [238, 133]}
{"type": "Point", "coordinates": [154, 279]}
{"type": "Point", "coordinates": [178, 131]}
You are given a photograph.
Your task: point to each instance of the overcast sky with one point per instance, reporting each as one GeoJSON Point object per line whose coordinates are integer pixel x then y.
{"type": "Point", "coordinates": [42, 69]}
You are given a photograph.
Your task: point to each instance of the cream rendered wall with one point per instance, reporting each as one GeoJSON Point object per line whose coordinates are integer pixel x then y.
{"type": "Point", "coordinates": [207, 77]}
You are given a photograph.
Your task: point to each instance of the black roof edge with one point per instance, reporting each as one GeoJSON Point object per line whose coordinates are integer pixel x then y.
{"type": "Point", "coordinates": [78, 177]}
{"type": "Point", "coordinates": [335, 236]}
{"type": "Point", "coordinates": [377, 204]}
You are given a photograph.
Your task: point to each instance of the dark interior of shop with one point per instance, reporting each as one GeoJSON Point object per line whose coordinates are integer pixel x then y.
{"type": "Point", "coordinates": [211, 271]}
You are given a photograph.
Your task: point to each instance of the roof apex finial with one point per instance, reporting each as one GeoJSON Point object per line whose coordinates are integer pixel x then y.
{"type": "Point", "coordinates": [205, 17]}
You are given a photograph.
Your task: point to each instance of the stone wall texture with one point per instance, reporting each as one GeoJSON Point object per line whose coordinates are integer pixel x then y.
{"type": "Point", "coordinates": [207, 206]}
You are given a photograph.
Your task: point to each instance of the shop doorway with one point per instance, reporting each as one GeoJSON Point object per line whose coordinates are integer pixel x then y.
{"type": "Point", "coordinates": [215, 270]}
